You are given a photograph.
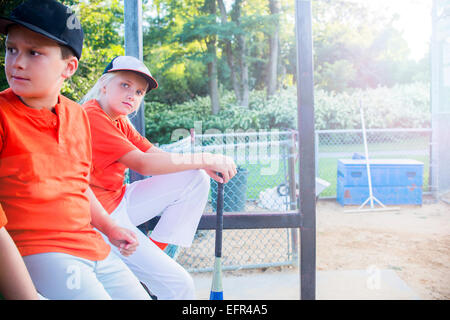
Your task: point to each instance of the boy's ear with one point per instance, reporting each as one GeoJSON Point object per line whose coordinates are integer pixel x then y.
{"type": "Point", "coordinates": [71, 67]}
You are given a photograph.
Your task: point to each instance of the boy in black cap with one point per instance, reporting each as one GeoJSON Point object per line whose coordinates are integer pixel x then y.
{"type": "Point", "coordinates": [45, 163]}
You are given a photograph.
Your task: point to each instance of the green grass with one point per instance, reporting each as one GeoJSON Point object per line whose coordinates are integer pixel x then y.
{"type": "Point", "coordinates": [258, 181]}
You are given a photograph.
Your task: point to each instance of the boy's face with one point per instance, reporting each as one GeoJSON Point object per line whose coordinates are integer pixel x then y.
{"type": "Point", "coordinates": [34, 67]}
{"type": "Point", "coordinates": [123, 94]}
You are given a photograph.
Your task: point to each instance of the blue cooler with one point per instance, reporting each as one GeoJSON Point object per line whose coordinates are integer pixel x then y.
{"type": "Point", "coordinates": [394, 181]}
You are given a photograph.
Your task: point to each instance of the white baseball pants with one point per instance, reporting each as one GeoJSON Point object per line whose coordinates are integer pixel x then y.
{"type": "Point", "coordinates": [180, 199]}
{"type": "Point", "coordinates": [60, 276]}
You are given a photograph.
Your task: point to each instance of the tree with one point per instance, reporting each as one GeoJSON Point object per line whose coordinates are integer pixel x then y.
{"type": "Point", "coordinates": [177, 63]}
{"type": "Point", "coordinates": [229, 51]}
{"type": "Point", "coordinates": [181, 35]}
{"type": "Point", "coordinates": [272, 69]}
{"type": "Point", "coordinates": [357, 48]}
{"type": "Point", "coordinates": [210, 8]}
{"type": "Point", "coordinates": [102, 24]}
{"type": "Point", "coordinates": [241, 53]}
{"type": "Point", "coordinates": [199, 32]}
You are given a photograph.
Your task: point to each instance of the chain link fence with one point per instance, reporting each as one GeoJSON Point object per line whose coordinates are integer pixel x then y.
{"type": "Point", "coordinates": [267, 170]}
{"type": "Point", "coordinates": [332, 145]}
{"type": "Point", "coordinates": [264, 160]}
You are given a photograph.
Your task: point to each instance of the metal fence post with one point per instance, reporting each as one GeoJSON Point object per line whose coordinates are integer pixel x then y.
{"type": "Point", "coordinates": [305, 107]}
{"type": "Point", "coordinates": [293, 194]}
{"type": "Point", "coordinates": [440, 96]}
{"type": "Point", "coordinates": [316, 152]}
{"type": "Point", "coordinates": [133, 47]}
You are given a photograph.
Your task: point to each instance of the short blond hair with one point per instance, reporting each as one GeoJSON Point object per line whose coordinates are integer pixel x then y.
{"type": "Point", "coordinates": [96, 91]}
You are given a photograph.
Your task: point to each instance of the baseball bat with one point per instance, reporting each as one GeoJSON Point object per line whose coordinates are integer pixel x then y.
{"type": "Point", "coordinates": [216, 287]}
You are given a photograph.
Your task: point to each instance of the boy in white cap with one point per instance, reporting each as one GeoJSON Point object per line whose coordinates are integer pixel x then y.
{"type": "Point", "coordinates": [177, 189]}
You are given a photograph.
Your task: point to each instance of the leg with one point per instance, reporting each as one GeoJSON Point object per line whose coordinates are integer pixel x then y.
{"type": "Point", "coordinates": [160, 273]}
{"type": "Point", "coordinates": [180, 198]}
{"type": "Point", "coordinates": [61, 276]}
{"type": "Point", "coordinates": [118, 280]}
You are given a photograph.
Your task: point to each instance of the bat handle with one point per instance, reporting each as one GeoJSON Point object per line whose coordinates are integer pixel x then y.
{"type": "Point", "coordinates": [216, 288]}
{"type": "Point", "coordinates": [219, 220]}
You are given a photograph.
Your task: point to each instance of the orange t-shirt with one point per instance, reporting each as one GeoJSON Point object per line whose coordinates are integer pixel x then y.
{"type": "Point", "coordinates": [3, 220]}
{"type": "Point", "coordinates": [45, 161]}
{"type": "Point", "coordinates": [111, 139]}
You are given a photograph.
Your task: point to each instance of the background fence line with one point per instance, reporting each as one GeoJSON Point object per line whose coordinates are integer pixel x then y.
{"type": "Point", "coordinates": [254, 191]}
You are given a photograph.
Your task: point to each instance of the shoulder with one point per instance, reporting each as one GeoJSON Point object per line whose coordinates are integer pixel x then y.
{"type": "Point", "coordinates": [70, 105]}
{"type": "Point", "coordinates": [100, 123]}
{"type": "Point", "coordinates": [125, 122]}
{"type": "Point", "coordinates": [4, 94]}
{"type": "Point", "coordinates": [91, 106]}
{"type": "Point", "coordinates": [94, 111]}
{"type": "Point", "coordinates": [7, 98]}
{"type": "Point", "coordinates": [127, 126]}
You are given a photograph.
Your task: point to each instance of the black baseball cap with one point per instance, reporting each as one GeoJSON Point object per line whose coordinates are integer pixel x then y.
{"type": "Point", "coordinates": [130, 63]}
{"type": "Point", "coordinates": [49, 18]}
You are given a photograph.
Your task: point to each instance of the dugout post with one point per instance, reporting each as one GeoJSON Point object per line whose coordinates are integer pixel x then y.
{"type": "Point", "coordinates": [134, 47]}
{"type": "Point", "coordinates": [440, 97]}
{"type": "Point", "coordinates": [304, 217]}
{"type": "Point", "coordinates": [305, 105]}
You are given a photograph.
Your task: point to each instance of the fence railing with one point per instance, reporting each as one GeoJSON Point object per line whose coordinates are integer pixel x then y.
{"type": "Point", "coordinates": [268, 177]}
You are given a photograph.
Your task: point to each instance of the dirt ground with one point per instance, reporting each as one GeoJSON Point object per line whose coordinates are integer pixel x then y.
{"type": "Point", "coordinates": [414, 241]}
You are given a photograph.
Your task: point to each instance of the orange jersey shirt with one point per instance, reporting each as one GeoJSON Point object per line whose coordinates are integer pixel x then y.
{"type": "Point", "coordinates": [45, 161]}
{"type": "Point", "coordinates": [111, 139]}
{"type": "Point", "coordinates": [3, 220]}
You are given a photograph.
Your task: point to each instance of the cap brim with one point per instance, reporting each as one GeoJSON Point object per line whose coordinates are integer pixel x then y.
{"type": "Point", "coordinates": [6, 22]}
{"type": "Point", "coordinates": [153, 84]}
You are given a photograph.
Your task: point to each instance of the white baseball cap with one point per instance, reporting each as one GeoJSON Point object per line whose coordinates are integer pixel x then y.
{"type": "Point", "coordinates": [129, 63]}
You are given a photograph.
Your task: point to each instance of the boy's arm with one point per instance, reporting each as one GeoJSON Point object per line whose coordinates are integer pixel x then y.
{"type": "Point", "coordinates": [156, 161]}
{"type": "Point", "coordinates": [210, 172]}
{"type": "Point", "coordinates": [122, 238]}
{"type": "Point", "coordinates": [15, 281]}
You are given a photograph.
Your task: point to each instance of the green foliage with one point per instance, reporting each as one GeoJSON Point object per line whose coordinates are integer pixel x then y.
{"type": "Point", "coordinates": [354, 49]}
{"type": "Point", "coordinates": [357, 48]}
{"type": "Point", "coordinates": [402, 106]}
{"type": "Point", "coordinates": [102, 23]}
{"type": "Point", "coordinates": [176, 41]}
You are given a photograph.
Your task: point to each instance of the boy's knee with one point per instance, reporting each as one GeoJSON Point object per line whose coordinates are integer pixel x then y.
{"type": "Point", "coordinates": [202, 184]}
{"type": "Point", "coordinates": [204, 179]}
{"type": "Point", "coordinates": [197, 180]}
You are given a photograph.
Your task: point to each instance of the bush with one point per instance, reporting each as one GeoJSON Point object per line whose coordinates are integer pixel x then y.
{"type": "Point", "coordinates": [402, 106]}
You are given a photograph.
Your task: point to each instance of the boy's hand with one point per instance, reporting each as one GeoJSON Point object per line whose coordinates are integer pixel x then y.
{"type": "Point", "coordinates": [123, 239]}
{"type": "Point", "coordinates": [222, 164]}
